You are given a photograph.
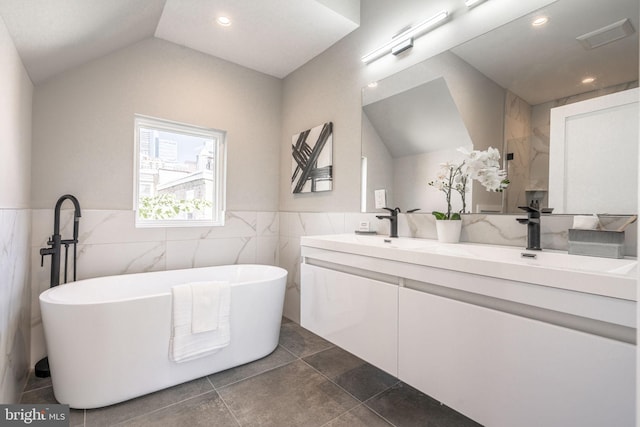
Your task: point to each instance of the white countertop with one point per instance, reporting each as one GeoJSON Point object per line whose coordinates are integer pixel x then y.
{"type": "Point", "coordinates": [615, 278]}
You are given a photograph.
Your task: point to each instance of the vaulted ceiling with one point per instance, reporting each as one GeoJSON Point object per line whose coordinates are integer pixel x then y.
{"type": "Point", "coordinates": [274, 37]}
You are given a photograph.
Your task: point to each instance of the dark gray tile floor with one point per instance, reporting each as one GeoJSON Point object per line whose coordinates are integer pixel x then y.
{"type": "Point", "coordinates": [306, 381]}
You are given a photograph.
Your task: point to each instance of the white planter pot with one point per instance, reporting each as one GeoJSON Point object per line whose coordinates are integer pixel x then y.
{"type": "Point", "coordinates": [448, 230]}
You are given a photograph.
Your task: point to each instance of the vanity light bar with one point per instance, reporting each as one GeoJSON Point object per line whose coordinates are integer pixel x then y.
{"type": "Point", "coordinates": [405, 37]}
{"type": "Point", "coordinates": [402, 46]}
{"type": "Point", "coordinates": [473, 3]}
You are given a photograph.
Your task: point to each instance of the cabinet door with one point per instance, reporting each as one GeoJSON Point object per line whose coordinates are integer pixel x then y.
{"type": "Point", "coordinates": [353, 312]}
{"type": "Point", "coordinates": [504, 370]}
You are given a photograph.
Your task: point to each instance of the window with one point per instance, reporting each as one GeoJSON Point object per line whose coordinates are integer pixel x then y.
{"type": "Point", "coordinates": [179, 174]}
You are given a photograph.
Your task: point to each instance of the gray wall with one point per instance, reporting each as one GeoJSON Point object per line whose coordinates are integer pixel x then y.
{"type": "Point", "coordinates": [83, 130]}
{"type": "Point", "coordinates": [15, 219]}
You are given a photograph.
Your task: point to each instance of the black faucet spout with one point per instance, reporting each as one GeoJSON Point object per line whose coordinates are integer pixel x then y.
{"type": "Point", "coordinates": [393, 220]}
{"type": "Point", "coordinates": [533, 226]}
{"type": "Point", "coordinates": [55, 242]}
{"type": "Point", "coordinates": [76, 214]}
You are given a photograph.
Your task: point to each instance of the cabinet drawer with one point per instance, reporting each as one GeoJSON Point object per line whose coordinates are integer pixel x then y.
{"type": "Point", "coordinates": [356, 313]}
{"type": "Point", "coordinates": [504, 370]}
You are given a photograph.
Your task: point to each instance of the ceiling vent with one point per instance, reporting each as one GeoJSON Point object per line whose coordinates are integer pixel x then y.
{"type": "Point", "coordinates": [610, 33]}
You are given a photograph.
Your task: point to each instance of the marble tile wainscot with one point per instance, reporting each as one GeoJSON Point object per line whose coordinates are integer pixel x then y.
{"type": "Point", "coordinates": [15, 295]}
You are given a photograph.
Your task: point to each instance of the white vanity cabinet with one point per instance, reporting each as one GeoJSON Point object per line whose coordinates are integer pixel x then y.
{"type": "Point", "coordinates": [555, 350]}
{"type": "Point", "coordinates": [356, 313]}
{"type": "Point", "coordinates": [504, 370]}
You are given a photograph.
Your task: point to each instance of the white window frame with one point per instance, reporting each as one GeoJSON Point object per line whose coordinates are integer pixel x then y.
{"type": "Point", "coordinates": [220, 148]}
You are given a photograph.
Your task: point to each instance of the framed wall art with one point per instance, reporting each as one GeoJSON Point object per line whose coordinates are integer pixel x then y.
{"type": "Point", "coordinates": [312, 160]}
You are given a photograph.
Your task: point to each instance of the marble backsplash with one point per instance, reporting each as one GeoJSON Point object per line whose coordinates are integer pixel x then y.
{"type": "Point", "coordinates": [15, 296]}
{"type": "Point", "coordinates": [110, 244]}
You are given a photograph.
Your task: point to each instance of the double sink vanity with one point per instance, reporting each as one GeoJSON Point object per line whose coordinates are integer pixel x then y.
{"type": "Point", "coordinates": [506, 336]}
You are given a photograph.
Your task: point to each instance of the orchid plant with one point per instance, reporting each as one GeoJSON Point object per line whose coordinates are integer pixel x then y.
{"type": "Point", "coordinates": [483, 166]}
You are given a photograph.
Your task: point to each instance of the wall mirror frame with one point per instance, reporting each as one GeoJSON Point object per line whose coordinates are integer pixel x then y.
{"type": "Point", "coordinates": [499, 90]}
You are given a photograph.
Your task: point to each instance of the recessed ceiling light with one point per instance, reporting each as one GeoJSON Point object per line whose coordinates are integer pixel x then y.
{"type": "Point", "coordinates": [540, 21]}
{"type": "Point", "coordinates": [224, 21]}
{"type": "Point", "coordinates": [588, 80]}
{"type": "Point", "coordinates": [372, 84]}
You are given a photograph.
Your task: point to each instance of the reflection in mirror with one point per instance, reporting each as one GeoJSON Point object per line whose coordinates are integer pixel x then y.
{"type": "Point", "coordinates": [450, 105]}
{"type": "Point", "coordinates": [414, 137]}
{"type": "Point", "coordinates": [579, 159]}
{"type": "Point", "coordinates": [504, 86]}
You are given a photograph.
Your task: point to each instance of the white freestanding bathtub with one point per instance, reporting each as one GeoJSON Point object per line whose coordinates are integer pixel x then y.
{"type": "Point", "coordinates": [108, 337]}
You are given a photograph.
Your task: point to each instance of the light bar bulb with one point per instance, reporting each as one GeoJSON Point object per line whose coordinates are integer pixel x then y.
{"type": "Point", "coordinates": [473, 3]}
{"type": "Point", "coordinates": [414, 32]}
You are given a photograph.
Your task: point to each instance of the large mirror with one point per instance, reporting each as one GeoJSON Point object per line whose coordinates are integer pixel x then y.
{"type": "Point", "coordinates": [501, 90]}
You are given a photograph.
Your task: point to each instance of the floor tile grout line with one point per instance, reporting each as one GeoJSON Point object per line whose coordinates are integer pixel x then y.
{"type": "Point", "coordinates": [381, 392]}
{"type": "Point", "coordinates": [339, 415]}
{"type": "Point", "coordinates": [165, 406]}
{"type": "Point", "coordinates": [351, 410]}
{"type": "Point", "coordinates": [376, 395]}
{"type": "Point", "coordinates": [254, 375]}
{"type": "Point", "coordinates": [35, 389]}
{"type": "Point", "coordinates": [287, 350]}
{"type": "Point", "coordinates": [211, 382]}
{"type": "Point", "coordinates": [360, 402]}
{"type": "Point", "coordinates": [336, 384]}
{"type": "Point", "coordinates": [224, 402]}
{"type": "Point", "coordinates": [318, 351]}
{"type": "Point", "coordinates": [162, 408]}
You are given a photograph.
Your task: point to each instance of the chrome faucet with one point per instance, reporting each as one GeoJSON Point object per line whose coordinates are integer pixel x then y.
{"type": "Point", "coordinates": [533, 225]}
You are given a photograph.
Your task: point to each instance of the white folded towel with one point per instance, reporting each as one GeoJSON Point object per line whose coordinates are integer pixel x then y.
{"type": "Point", "coordinates": [200, 320]}
{"type": "Point", "coordinates": [586, 222]}
{"type": "Point", "coordinates": [205, 306]}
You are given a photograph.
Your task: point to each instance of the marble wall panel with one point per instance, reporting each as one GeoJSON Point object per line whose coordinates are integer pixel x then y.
{"type": "Point", "coordinates": [15, 294]}
{"type": "Point", "coordinates": [268, 238]}
{"type": "Point", "coordinates": [236, 224]}
{"type": "Point", "coordinates": [289, 250]}
{"type": "Point", "coordinates": [208, 252]}
{"type": "Point", "coordinates": [267, 250]}
{"type": "Point", "coordinates": [313, 223]}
